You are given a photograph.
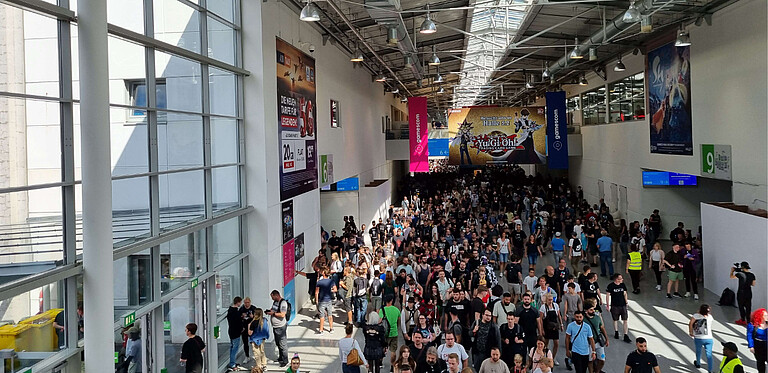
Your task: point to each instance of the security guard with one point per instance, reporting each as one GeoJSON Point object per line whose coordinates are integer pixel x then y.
{"type": "Point", "coordinates": [731, 363]}
{"type": "Point", "coordinates": [635, 267]}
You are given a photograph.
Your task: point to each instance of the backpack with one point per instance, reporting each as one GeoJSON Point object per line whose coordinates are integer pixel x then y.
{"type": "Point", "coordinates": [376, 288]}
{"type": "Point", "coordinates": [727, 298]}
{"type": "Point", "coordinates": [576, 245]}
{"type": "Point", "coordinates": [288, 310]}
{"type": "Point", "coordinates": [492, 304]}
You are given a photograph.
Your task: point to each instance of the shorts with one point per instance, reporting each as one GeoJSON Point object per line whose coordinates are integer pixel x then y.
{"type": "Point", "coordinates": [599, 353]}
{"type": "Point", "coordinates": [392, 344]}
{"type": "Point", "coordinates": [675, 276]}
{"type": "Point", "coordinates": [503, 257]}
{"type": "Point", "coordinates": [348, 304]}
{"type": "Point", "coordinates": [515, 289]}
{"type": "Point", "coordinates": [619, 311]}
{"type": "Point", "coordinates": [532, 259]}
{"type": "Point", "coordinates": [325, 309]}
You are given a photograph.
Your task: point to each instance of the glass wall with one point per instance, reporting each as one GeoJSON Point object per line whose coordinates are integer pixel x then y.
{"type": "Point", "coordinates": [627, 99]}
{"type": "Point", "coordinates": [175, 145]}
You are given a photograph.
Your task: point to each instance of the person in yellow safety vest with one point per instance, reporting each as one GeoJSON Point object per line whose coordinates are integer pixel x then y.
{"type": "Point", "coordinates": [635, 268]}
{"type": "Point", "coordinates": [731, 363]}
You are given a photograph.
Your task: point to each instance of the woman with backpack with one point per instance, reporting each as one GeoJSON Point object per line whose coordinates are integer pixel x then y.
{"type": "Point", "coordinates": [375, 340]}
{"type": "Point", "coordinates": [537, 353]}
{"type": "Point", "coordinates": [552, 323]}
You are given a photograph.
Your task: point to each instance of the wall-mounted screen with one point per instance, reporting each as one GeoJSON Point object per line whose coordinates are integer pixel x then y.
{"type": "Point", "coordinates": [663, 178]}
{"type": "Point", "coordinates": [346, 185]}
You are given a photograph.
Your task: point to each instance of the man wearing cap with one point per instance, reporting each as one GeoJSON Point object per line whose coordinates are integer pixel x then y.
{"type": "Point", "coordinates": [558, 246]}
{"type": "Point", "coordinates": [640, 360]}
{"type": "Point", "coordinates": [744, 292]}
{"type": "Point", "coordinates": [731, 362]}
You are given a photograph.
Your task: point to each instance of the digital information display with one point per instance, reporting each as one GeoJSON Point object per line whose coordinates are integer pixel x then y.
{"type": "Point", "coordinates": [663, 178]}
{"type": "Point", "coordinates": [346, 185]}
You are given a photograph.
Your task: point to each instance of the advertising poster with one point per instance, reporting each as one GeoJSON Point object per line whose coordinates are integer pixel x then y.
{"type": "Point", "coordinates": [287, 217]}
{"type": "Point", "coordinates": [335, 120]}
{"type": "Point", "coordinates": [289, 293]}
{"type": "Point", "coordinates": [497, 135]}
{"type": "Point", "coordinates": [668, 70]}
{"type": "Point", "coordinates": [418, 127]}
{"type": "Point", "coordinates": [326, 169]}
{"type": "Point", "coordinates": [296, 113]}
{"type": "Point", "coordinates": [557, 133]}
{"type": "Point", "coordinates": [299, 254]}
{"type": "Point", "coordinates": [288, 262]}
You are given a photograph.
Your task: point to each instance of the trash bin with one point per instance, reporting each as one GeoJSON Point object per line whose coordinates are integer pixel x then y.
{"type": "Point", "coordinates": [15, 337]}
{"type": "Point", "coordinates": [41, 330]}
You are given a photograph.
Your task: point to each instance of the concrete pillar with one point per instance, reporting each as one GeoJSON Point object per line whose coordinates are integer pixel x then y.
{"type": "Point", "coordinates": [98, 289]}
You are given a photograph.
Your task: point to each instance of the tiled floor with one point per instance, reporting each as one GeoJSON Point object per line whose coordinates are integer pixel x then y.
{"type": "Point", "coordinates": [663, 322]}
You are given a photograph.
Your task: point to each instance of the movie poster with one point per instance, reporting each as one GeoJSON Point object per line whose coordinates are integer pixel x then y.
{"type": "Point", "coordinates": [296, 112]}
{"type": "Point", "coordinates": [299, 257]}
{"type": "Point", "coordinates": [287, 217]}
{"type": "Point", "coordinates": [497, 135]}
{"type": "Point", "coordinates": [669, 100]}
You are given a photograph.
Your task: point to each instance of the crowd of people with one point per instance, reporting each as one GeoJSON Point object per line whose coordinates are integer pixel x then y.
{"type": "Point", "coordinates": [452, 273]}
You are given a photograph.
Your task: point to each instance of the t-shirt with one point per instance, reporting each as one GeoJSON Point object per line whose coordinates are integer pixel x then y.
{"type": "Point", "coordinates": [617, 293]}
{"type": "Point", "coordinates": [579, 340]}
{"type": "Point", "coordinates": [488, 366]}
{"type": "Point", "coordinates": [674, 259]}
{"type": "Point", "coordinates": [745, 281]}
{"type": "Point", "coordinates": [604, 244]}
{"type": "Point", "coordinates": [558, 244]}
{"type": "Point", "coordinates": [235, 328]}
{"type": "Point", "coordinates": [503, 245]}
{"type": "Point", "coordinates": [478, 306]}
{"type": "Point", "coordinates": [590, 291]}
{"type": "Point", "coordinates": [518, 238]}
{"type": "Point", "coordinates": [574, 303]}
{"type": "Point", "coordinates": [575, 245]}
{"type": "Point", "coordinates": [325, 285]}
{"type": "Point", "coordinates": [392, 314]}
{"type": "Point", "coordinates": [443, 351]}
{"type": "Point", "coordinates": [528, 319]}
{"type": "Point", "coordinates": [462, 308]}
{"type": "Point", "coordinates": [702, 326]}
{"type": "Point", "coordinates": [641, 363]}
{"type": "Point", "coordinates": [500, 311]}
{"type": "Point", "coordinates": [280, 306]}
{"type": "Point", "coordinates": [513, 273]}
{"type": "Point", "coordinates": [530, 282]}
{"type": "Point", "coordinates": [191, 351]}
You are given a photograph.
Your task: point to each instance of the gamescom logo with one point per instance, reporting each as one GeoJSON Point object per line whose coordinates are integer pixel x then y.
{"type": "Point", "coordinates": [557, 144]}
{"type": "Point", "coordinates": [496, 143]}
{"type": "Point", "coordinates": [418, 131]}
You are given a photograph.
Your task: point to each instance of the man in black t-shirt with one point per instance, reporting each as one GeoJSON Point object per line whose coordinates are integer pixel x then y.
{"type": "Point", "coordinates": [674, 262]}
{"type": "Point", "coordinates": [518, 240]}
{"type": "Point", "coordinates": [640, 360]}
{"type": "Point", "coordinates": [591, 290]}
{"type": "Point", "coordinates": [616, 302]}
{"type": "Point", "coordinates": [460, 305]}
{"type": "Point", "coordinates": [514, 272]}
{"type": "Point", "coordinates": [744, 292]}
{"type": "Point", "coordinates": [528, 318]}
{"type": "Point", "coordinates": [192, 351]}
{"type": "Point", "coordinates": [246, 312]}
{"type": "Point", "coordinates": [478, 306]}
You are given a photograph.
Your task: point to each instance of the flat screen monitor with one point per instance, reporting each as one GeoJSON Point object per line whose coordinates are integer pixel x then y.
{"type": "Point", "coordinates": [663, 178]}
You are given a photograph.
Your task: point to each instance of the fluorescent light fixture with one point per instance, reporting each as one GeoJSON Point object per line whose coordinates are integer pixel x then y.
{"type": "Point", "coordinates": [619, 66]}
{"type": "Point", "coordinates": [632, 14]}
{"type": "Point", "coordinates": [683, 38]}
{"type": "Point", "coordinates": [576, 53]}
{"type": "Point", "coordinates": [310, 12]}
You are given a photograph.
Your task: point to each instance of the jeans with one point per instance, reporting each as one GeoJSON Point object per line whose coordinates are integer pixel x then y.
{"type": "Point", "coordinates": [707, 345]}
{"type": "Point", "coordinates": [234, 345]}
{"type": "Point", "coordinates": [558, 256]}
{"type": "Point", "coordinates": [360, 305]}
{"type": "Point", "coordinates": [605, 261]}
{"type": "Point", "coordinates": [580, 362]}
{"type": "Point", "coordinates": [349, 368]}
{"type": "Point", "coordinates": [281, 340]}
{"type": "Point", "coordinates": [690, 280]}
{"type": "Point", "coordinates": [478, 358]}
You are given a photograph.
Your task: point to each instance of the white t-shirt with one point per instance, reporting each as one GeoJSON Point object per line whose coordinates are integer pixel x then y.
{"type": "Point", "coordinates": [702, 326]}
{"type": "Point", "coordinates": [544, 308]}
{"type": "Point", "coordinates": [443, 351]}
{"type": "Point", "coordinates": [530, 282]}
{"type": "Point", "coordinates": [500, 311]}
{"type": "Point", "coordinates": [503, 245]}
{"type": "Point", "coordinates": [578, 230]}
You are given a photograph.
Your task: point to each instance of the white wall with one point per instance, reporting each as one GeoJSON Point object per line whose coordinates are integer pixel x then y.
{"type": "Point", "coordinates": [729, 237]}
{"type": "Point", "coordinates": [374, 203]}
{"type": "Point", "coordinates": [728, 108]}
{"type": "Point", "coordinates": [358, 146]}
{"type": "Point", "coordinates": [334, 206]}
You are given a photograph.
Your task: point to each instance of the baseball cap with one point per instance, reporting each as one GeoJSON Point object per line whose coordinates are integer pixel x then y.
{"type": "Point", "coordinates": [730, 346]}
{"type": "Point", "coordinates": [745, 265]}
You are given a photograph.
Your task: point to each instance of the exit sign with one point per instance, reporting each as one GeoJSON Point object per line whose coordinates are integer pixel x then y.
{"type": "Point", "coordinates": [194, 282]}
{"type": "Point", "coordinates": [129, 319]}
{"type": "Point", "coordinates": [216, 332]}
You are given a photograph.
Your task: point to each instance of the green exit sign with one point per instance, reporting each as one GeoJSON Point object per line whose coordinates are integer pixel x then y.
{"type": "Point", "coordinates": [194, 282]}
{"type": "Point", "coordinates": [129, 319]}
{"type": "Point", "coordinates": [216, 332]}
{"type": "Point", "coordinates": [166, 325]}
{"type": "Point", "coordinates": [116, 358]}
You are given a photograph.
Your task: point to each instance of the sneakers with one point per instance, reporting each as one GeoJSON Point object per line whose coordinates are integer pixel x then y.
{"type": "Point", "coordinates": [614, 260]}
{"type": "Point", "coordinates": [626, 339]}
{"type": "Point", "coordinates": [658, 287]}
{"type": "Point", "coordinates": [695, 297]}
{"type": "Point", "coordinates": [687, 294]}
{"type": "Point", "coordinates": [568, 364]}
{"type": "Point", "coordinates": [697, 364]}
{"type": "Point", "coordinates": [616, 335]}
{"type": "Point", "coordinates": [741, 322]}
{"type": "Point", "coordinates": [678, 295]}
{"type": "Point", "coordinates": [557, 363]}
{"type": "Point", "coordinates": [669, 295]}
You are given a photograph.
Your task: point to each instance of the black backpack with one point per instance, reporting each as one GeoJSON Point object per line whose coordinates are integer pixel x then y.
{"type": "Point", "coordinates": [288, 309]}
{"type": "Point", "coordinates": [728, 298]}
{"type": "Point", "coordinates": [376, 288]}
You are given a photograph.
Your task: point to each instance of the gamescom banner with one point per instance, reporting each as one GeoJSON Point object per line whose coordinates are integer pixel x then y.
{"type": "Point", "coordinates": [557, 133]}
{"type": "Point", "coordinates": [296, 115]}
{"type": "Point", "coordinates": [418, 126]}
{"type": "Point", "coordinates": [497, 135]}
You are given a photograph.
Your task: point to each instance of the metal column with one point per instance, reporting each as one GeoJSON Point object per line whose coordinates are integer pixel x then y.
{"type": "Point", "coordinates": [98, 290]}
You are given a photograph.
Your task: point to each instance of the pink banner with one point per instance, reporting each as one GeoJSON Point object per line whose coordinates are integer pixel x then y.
{"type": "Point", "coordinates": [418, 124]}
{"type": "Point", "coordinates": [288, 262]}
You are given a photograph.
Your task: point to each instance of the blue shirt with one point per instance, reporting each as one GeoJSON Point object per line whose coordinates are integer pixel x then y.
{"type": "Point", "coordinates": [604, 244]}
{"type": "Point", "coordinates": [579, 340]}
{"type": "Point", "coordinates": [558, 244]}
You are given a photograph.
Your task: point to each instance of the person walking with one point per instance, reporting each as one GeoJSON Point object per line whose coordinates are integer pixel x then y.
{"type": "Point", "coordinates": [279, 320]}
{"type": "Point", "coordinates": [616, 301]}
{"type": "Point", "coordinates": [757, 337]}
{"type": "Point", "coordinates": [579, 343]}
{"type": "Point", "coordinates": [594, 319]}
{"type": "Point", "coordinates": [731, 363]}
{"type": "Point", "coordinates": [539, 352]}
{"type": "Point", "coordinates": [235, 330]}
{"type": "Point", "coordinates": [575, 252]}
{"type": "Point", "coordinates": [700, 328]}
{"type": "Point", "coordinates": [605, 247]}
{"type": "Point", "coordinates": [551, 323]}
{"type": "Point", "coordinates": [486, 334]}
{"type": "Point", "coordinates": [656, 259]}
{"type": "Point", "coordinates": [192, 350]}
{"type": "Point", "coordinates": [512, 342]}
{"type": "Point", "coordinates": [558, 247]}
{"type": "Point", "coordinates": [635, 268]}
{"type": "Point", "coordinates": [375, 341]}
{"type": "Point", "coordinates": [360, 296]}
{"type": "Point", "coordinates": [324, 295]}
{"type": "Point", "coordinates": [346, 345]}
{"type": "Point", "coordinates": [390, 315]}
{"type": "Point", "coordinates": [640, 360]}
{"type": "Point", "coordinates": [494, 364]}
{"type": "Point", "coordinates": [258, 332]}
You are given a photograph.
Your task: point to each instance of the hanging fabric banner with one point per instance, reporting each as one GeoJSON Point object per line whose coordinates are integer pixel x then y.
{"type": "Point", "coordinates": [557, 133]}
{"type": "Point", "coordinates": [418, 126]}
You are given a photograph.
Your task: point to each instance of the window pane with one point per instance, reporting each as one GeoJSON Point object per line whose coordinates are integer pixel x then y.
{"type": "Point", "coordinates": [225, 189]}
{"type": "Point", "coordinates": [30, 232]}
{"type": "Point", "coordinates": [181, 260]}
{"type": "Point", "coordinates": [178, 312]}
{"type": "Point", "coordinates": [133, 283]}
{"type": "Point", "coordinates": [223, 92]}
{"type": "Point", "coordinates": [224, 144]}
{"type": "Point", "coordinates": [30, 53]}
{"type": "Point", "coordinates": [35, 323]}
{"type": "Point", "coordinates": [181, 199]}
{"type": "Point", "coordinates": [223, 8]}
{"type": "Point", "coordinates": [180, 141]}
{"type": "Point", "coordinates": [182, 82]}
{"type": "Point", "coordinates": [221, 41]}
{"type": "Point", "coordinates": [30, 142]}
{"type": "Point", "coordinates": [127, 14]}
{"type": "Point", "coordinates": [129, 143]}
{"type": "Point", "coordinates": [130, 210]}
{"type": "Point", "coordinates": [226, 245]}
{"type": "Point", "coordinates": [126, 72]}
{"type": "Point", "coordinates": [594, 106]}
{"type": "Point", "coordinates": [177, 24]}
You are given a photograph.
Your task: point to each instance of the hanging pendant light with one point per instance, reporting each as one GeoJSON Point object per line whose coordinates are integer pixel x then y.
{"type": "Point", "coordinates": [428, 26]}
{"type": "Point", "coordinates": [545, 73]}
{"type": "Point", "coordinates": [439, 78]}
{"type": "Point", "coordinates": [583, 80]}
{"type": "Point", "coordinates": [408, 62]}
{"type": "Point", "coordinates": [310, 12]}
{"type": "Point", "coordinates": [357, 56]}
{"type": "Point", "coordinates": [381, 78]}
{"type": "Point", "coordinates": [434, 60]}
{"type": "Point", "coordinates": [440, 91]}
{"type": "Point", "coordinates": [632, 14]}
{"type": "Point", "coordinates": [683, 38]}
{"type": "Point", "coordinates": [576, 52]}
{"type": "Point", "coordinates": [646, 24]}
{"type": "Point", "coordinates": [593, 54]}
{"type": "Point", "coordinates": [392, 38]}
{"type": "Point", "coordinates": [619, 66]}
